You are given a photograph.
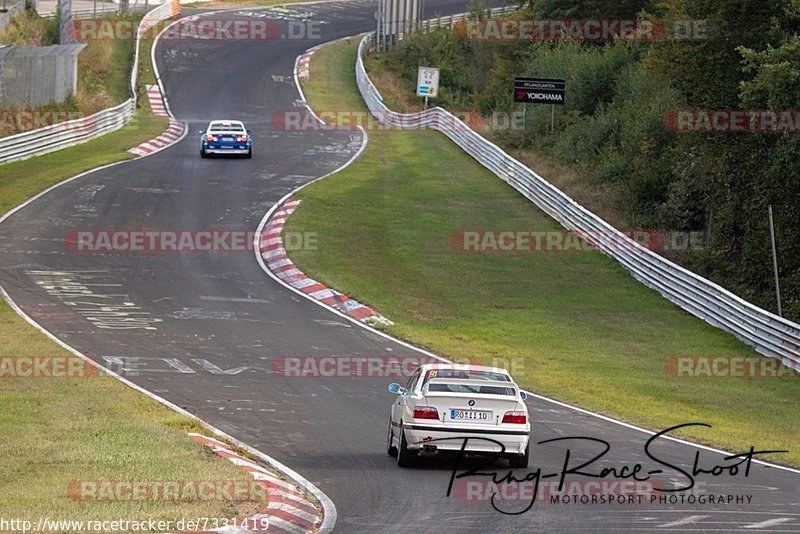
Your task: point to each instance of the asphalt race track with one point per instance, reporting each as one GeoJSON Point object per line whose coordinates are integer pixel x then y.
{"type": "Point", "coordinates": [202, 330]}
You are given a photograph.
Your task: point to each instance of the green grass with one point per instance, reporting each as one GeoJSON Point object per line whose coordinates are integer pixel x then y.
{"type": "Point", "coordinates": [573, 326]}
{"type": "Point", "coordinates": [29, 29]}
{"type": "Point", "coordinates": [56, 431]}
{"type": "Point", "coordinates": [104, 70]}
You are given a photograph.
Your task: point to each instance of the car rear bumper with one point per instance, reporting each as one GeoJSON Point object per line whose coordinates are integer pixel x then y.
{"type": "Point", "coordinates": [226, 150]}
{"type": "Point", "coordinates": [480, 440]}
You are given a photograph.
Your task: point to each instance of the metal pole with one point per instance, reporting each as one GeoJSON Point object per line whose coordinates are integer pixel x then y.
{"type": "Point", "coordinates": [524, 120]}
{"type": "Point", "coordinates": [399, 19]}
{"type": "Point", "coordinates": [395, 22]}
{"type": "Point", "coordinates": [386, 15]}
{"type": "Point", "coordinates": [407, 20]}
{"type": "Point", "coordinates": [426, 102]}
{"type": "Point", "coordinates": [384, 24]}
{"type": "Point", "coordinates": [404, 18]}
{"type": "Point", "coordinates": [552, 118]}
{"type": "Point", "coordinates": [378, 30]}
{"type": "Point", "coordinates": [775, 260]}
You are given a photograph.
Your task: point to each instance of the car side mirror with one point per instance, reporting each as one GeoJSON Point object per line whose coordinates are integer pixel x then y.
{"type": "Point", "coordinates": [397, 389]}
{"type": "Point", "coordinates": [201, 132]}
{"type": "Point", "coordinates": [523, 395]}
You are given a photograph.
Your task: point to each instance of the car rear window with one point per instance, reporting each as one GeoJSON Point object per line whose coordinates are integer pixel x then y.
{"type": "Point", "coordinates": [473, 389]}
{"type": "Point", "coordinates": [219, 127]}
{"type": "Point", "coordinates": [471, 374]}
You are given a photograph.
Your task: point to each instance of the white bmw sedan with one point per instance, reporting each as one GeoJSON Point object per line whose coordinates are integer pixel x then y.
{"type": "Point", "coordinates": [447, 407]}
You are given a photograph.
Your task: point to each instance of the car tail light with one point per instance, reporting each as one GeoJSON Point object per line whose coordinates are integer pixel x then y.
{"type": "Point", "coordinates": [425, 412]}
{"type": "Point", "coordinates": [242, 139]}
{"type": "Point", "coordinates": [211, 139]}
{"type": "Point", "coordinates": [515, 418]}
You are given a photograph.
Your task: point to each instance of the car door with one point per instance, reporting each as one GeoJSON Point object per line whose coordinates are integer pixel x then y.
{"type": "Point", "coordinates": [400, 405]}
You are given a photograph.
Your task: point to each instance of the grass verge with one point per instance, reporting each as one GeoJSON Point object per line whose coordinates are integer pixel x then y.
{"type": "Point", "coordinates": [600, 197]}
{"type": "Point", "coordinates": [57, 431]}
{"type": "Point", "coordinates": [573, 326]}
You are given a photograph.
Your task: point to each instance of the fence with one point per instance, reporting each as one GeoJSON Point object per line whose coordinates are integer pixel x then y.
{"type": "Point", "coordinates": [771, 335]}
{"type": "Point", "coordinates": [64, 134]}
{"type": "Point", "coordinates": [32, 76]}
{"type": "Point", "coordinates": [104, 9]}
{"type": "Point", "coordinates": [398, 17]}
{"type": "Point", "coordinates": [17, 6]}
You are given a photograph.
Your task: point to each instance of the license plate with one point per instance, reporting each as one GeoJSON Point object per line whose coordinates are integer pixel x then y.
{"type": "Point", "coordinates": [227, 138]}
{"type": "Point", "coordinates": [478, 416]}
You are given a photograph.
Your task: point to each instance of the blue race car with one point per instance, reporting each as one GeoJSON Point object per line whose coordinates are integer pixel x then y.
{"type": "Point", "coordinates": [226, 137]}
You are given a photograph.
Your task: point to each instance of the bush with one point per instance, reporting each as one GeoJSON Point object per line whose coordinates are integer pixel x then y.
{"type": "Point", "coordinates": [52, 29]}
{"type": "Point", "coordinates": [591, 72]}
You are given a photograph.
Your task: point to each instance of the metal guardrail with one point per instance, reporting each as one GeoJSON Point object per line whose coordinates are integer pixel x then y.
{"type": "Point", "coordinates": [769, 334]}
{"type": "Point", "coordinates": [68, 133]}
{"type": "Point", "coordinates": [449, 20]}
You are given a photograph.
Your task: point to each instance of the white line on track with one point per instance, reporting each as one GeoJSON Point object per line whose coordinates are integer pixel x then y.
{"type": "Point", "coordinates": [691, 520]}
{"type": "Point", "coordinates": [769, 522]}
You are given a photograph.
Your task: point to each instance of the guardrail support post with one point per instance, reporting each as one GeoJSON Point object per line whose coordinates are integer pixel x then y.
{"type": "Point", "coordinates": [775, 260]}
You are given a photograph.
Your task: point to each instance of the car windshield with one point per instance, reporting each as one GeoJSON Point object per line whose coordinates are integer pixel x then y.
{"type": "Point", "coordinates": [222, 127]}
{"type": "Point", "coordinates": [471, 374]}
{"type": "Point", "coordinates": [472, 388]}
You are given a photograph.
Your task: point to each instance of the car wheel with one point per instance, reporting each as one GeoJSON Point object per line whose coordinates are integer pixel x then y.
{"type": "Point", "coordinates": [405, 456]}
{"type": "Point", "coordinates": [520, 461]}
{"type": "Point", "coordinates": [390, 448]}
{"type": "Point", "coordinates": [203, 153]}
{"type": "Point", "coordinates": [249, 154]}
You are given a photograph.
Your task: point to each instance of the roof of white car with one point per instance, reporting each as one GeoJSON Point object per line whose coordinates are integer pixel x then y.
{"type": "Point", "coordinates": [464, 367]}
